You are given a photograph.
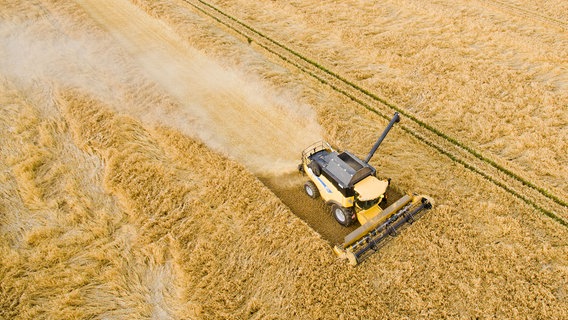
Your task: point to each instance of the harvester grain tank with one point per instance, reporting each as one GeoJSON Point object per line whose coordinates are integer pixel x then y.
{"type": "Point", "coordinates": [351, 188]}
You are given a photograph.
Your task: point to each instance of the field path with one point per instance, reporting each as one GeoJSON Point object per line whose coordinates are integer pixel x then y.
{"type": "Point", "coordinates": [230, 112]}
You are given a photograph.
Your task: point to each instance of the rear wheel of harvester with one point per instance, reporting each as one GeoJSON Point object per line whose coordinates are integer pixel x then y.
{"type": "Point", "coordinates": [342, 215]}
{"type": "Point", "coordinates": [311, 189]}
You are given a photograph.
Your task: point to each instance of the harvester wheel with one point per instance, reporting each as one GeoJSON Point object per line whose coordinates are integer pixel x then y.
{"type": "Point", "coordinates": [311, 189]}
{"type": "Point", "coordinates": [342, 215]}
{"type": "Point", "coordinates": [383, 203]}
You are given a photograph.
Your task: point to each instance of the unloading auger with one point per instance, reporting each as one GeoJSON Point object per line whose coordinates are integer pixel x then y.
{"type": "Point", "coordinates": [351, 188]}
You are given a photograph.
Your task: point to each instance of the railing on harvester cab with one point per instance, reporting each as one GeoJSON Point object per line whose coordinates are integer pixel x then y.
{"type": "Point", "coordinates": [315, 148]}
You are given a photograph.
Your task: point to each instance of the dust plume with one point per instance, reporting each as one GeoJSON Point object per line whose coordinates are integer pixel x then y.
{"type": "Point", "coordinates": [231, 111]}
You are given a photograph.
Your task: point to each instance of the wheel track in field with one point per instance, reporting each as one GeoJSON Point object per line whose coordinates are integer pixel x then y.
{"type": "Point", "coordinates": [519, 11]}
{"type": "Point", "coordinates": [539, 198]}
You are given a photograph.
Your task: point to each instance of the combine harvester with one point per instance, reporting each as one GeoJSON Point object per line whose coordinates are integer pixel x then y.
{"type": "Point", "coordinates": [351, 187]}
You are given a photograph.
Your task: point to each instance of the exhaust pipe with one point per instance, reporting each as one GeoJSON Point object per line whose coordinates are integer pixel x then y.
{"type": "Point", "coordinates": [395, 119]}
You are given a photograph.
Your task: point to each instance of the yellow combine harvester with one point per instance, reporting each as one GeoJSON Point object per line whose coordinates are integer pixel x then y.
{"type": "Point", "coordinates": [351, 187]}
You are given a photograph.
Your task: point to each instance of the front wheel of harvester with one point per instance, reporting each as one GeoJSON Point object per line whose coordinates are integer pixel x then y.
{"type": "Point", "coordinates": [311, 189]}
{"type": "Point", "coordinates": [342, 215]}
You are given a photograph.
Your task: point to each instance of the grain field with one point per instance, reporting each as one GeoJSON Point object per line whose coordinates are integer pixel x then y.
{"type": "Point", "coordinates": [149, 152]}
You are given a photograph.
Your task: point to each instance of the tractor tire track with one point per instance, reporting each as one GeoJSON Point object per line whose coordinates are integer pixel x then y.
{"type": "Point", "coordinates": [518, 11]}
{"type": "Point", "coordinates": [536, 196]}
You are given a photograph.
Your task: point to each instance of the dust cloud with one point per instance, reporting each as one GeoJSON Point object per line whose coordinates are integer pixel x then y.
{"type": "Point", "coordinates": [231, 111]}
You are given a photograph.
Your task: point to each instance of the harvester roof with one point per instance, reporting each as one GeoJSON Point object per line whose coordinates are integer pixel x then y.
{"type": "Point", "coordinates": [344, 168]}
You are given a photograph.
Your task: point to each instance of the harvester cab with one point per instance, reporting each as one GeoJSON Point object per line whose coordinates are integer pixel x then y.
{"type": "Point", "coordinates": [351, 188]}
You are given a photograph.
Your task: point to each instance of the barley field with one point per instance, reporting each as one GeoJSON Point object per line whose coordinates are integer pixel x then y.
{"type": "Point", "coordinates": [148, 165]}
